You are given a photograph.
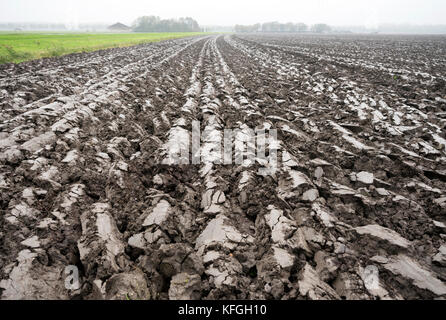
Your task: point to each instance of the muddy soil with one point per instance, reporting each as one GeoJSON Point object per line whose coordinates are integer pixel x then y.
{"type": "Point", "coordinates": [355, 210]}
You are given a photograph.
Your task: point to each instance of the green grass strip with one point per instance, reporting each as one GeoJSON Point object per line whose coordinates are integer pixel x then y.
{"type": "Point", "coordinates": [19, 47]}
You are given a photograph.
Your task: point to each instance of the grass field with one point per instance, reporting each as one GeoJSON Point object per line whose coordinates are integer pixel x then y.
{"type": "Point", "coordinates": [19, 47]}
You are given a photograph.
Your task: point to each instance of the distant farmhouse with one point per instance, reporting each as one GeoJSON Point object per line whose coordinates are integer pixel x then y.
{"type": "Point", "coordinates": [119, 27]}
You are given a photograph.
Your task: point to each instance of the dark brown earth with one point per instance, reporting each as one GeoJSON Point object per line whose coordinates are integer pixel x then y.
{"type": "Point", "coordinates": [85, 178]}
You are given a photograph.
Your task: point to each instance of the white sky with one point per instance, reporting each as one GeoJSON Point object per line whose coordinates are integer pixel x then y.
{"type": "Point", "coordinates": [228, 12]}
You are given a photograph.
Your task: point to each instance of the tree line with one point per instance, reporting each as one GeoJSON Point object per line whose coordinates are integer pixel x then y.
{"type": "Point", "coordinates": [156, 24]}
{"type": "Point", "coordinates": [283, 27]}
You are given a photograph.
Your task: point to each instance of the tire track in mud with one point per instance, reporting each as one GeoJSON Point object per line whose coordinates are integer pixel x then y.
{"type": "Point", "coordinates": [225, 244]}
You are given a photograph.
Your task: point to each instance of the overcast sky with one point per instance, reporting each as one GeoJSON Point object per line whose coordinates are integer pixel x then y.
{"type": "Point", "coordinates": [228, 12]}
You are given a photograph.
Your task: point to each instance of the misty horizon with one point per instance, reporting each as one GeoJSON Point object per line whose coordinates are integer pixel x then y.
{"type": "Point", "coordinates": [370, 14]}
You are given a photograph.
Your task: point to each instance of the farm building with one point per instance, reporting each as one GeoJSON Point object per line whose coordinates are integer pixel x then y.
{"type": "Point", "coordinates": [119, 27]}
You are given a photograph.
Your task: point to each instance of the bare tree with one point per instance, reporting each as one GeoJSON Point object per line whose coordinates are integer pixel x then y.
{"type": "Point", "coordinates": [273, 27]}
{"type": "Point", "coordinates": [155, 24]}
{"type": "Point", "coordinates": [301, 27]}
{"type": "Point", "coordinates": [320, 28]}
